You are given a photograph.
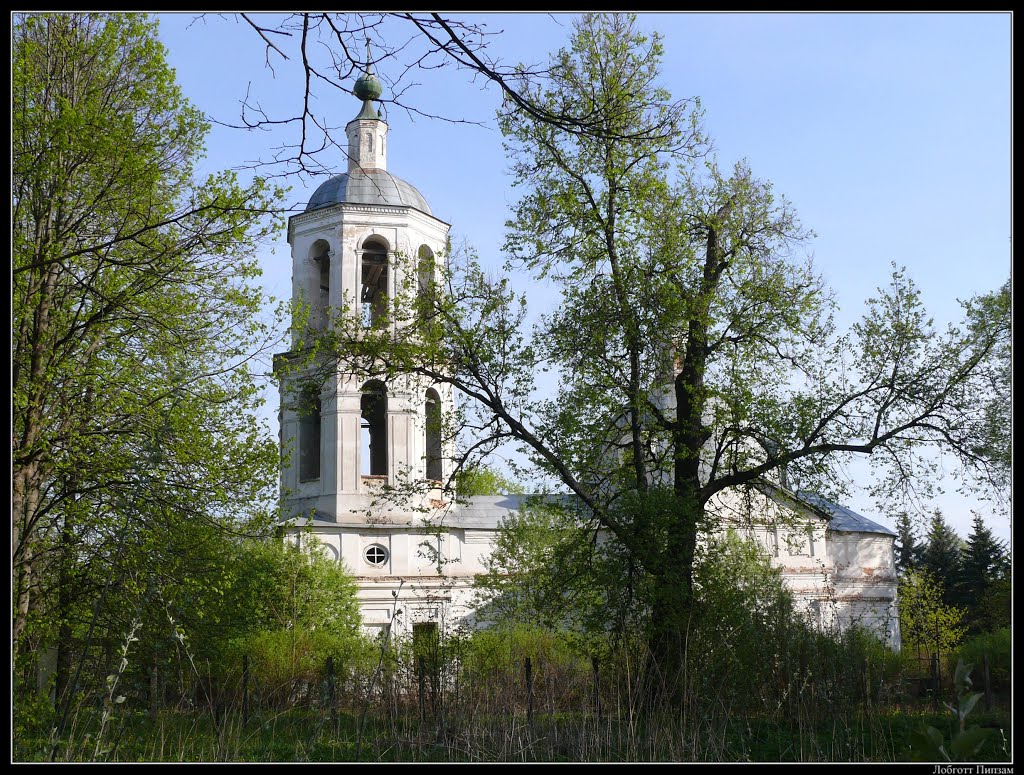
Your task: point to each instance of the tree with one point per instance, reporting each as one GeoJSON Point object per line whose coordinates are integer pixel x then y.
{"type": "Point", "coordinates": [984, 561]}
{"type": "Point", "coordinates": [695, 351]}
{"type": "Point", "coordinates": [484, 481]}
{"type": "Point", "coordinates": [908, 550]}
{"type": "Point", "coordinates": [942, 556]}
{"type": "Point", "coordinates": [136, 452]}
{"type": "Point", "coordinates": [927, 624]}
{"type": "Point", "coordinates": [304, 609]}
{"type": "Point", "coordinates": [993, 383]}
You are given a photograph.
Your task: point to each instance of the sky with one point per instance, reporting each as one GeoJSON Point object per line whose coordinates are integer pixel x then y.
{"type": "Point", "coordinates": [888, 132]}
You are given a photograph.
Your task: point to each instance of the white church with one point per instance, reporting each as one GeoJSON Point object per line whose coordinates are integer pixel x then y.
{"type": "Point", "coordinates": [355, 244]}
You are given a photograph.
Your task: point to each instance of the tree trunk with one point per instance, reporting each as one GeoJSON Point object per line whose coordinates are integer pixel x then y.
{"type": "Point", "coordinates": [673, 611]}
{"type": "Point", "coordinates": [24, 505]}
{"type": "Point", "coordinates": [64, 602]}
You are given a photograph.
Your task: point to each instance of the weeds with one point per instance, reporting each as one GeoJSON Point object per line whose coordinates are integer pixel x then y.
{"type": "Point", "coordinates": [814, 700]}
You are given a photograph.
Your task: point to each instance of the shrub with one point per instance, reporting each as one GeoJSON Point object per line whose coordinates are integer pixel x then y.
{"type": "Point", "coordinates": [288, 666]}
{"type": "Point", "coordinates": [996, 645]}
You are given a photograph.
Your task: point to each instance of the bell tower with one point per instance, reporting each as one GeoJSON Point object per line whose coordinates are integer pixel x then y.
{"type": "Point", "coordinates": [366, 240]}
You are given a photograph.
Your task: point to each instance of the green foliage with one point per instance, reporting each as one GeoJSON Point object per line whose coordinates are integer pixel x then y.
{"type": "Point", "coordinates": [926, 623]}
{"type": "Point", "coordinates": [754, 650]}
{"type": "Point", "coordinates": [942, 556]}
{"type": "Point", "coordinates": [301, 587]}
{"type": "Point", "coordinates": [930, 745]}
{"type": "Point", "coordinates": [908, 549]}
{"type": "Point", "coordinates": [997, 646]}
{"type": "Point", "coordinates": [285, 664]}
{"type": "Point", "coordinates": [482, 480]}
{"type": "Point", "coordinates": [304, 610]}
{"type": "Point", "coordinates": [736, 578]}
{"type": "Point", "coordinates": [138, 457]}
{"type": "Point", "coordinates": [992, 382]}
{"type": "Point", "coordinates": [983, 563]}
{"type": "Point", "coordinates": [541, 572]}
{"type": "Point", "coordinates": [504, 647]}
{"type": "Point", "coordinates": [995, 610]}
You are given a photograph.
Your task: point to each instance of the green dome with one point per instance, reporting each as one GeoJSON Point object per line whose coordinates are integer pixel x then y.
{"type": "Point", "coordinates": [368, 87]}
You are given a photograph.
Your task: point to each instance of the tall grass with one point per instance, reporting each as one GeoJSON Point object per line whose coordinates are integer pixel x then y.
{"type": "Point", "coordinates": [467, 699]}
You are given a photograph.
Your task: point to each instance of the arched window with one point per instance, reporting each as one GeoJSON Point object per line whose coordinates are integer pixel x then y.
{"type": "Point", "coordinates": [373, 296]}
{"type": "Point", "coordinates": [309, 436]}
{"type": "Point", "coordinates": [373, 406]}
{"type": "Point", "coordinates": [432, 431]}
{"type": "Point", "coordinates": [322, 258]}
{"type": "Point", "coordinates": [425, 276]}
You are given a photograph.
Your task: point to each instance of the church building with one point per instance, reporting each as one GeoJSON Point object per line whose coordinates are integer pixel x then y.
{"type": "Point", "coordinates": [361, 238]}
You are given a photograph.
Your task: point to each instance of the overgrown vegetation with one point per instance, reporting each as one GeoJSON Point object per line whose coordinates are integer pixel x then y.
{"type": "Point", "coordinates": [528, 693]}
{"type": "Point", "coordinates": [156, 618]}
{"type": "Point", "coordinates": [139, 465]}
{"type": "Point", "coordinates": [693, 346]}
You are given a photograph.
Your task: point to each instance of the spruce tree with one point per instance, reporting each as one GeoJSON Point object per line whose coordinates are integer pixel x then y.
{"type": "Point", "coordinates": [908, 549]}
{"type": "Point", "coordinates": [983, 563]}
{"type": "Point", "coordinates": [941, 556]}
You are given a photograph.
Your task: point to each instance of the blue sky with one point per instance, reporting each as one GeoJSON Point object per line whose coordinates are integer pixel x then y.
{"type": "Point", "coordinates": [890, 134]}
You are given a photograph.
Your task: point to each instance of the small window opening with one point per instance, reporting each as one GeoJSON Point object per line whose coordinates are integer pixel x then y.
{"type": "Point", "coordinates": [375, 555]}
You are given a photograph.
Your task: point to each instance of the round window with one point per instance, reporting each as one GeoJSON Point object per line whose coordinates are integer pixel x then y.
{"type": "Point", "coordinates": [376, 555]}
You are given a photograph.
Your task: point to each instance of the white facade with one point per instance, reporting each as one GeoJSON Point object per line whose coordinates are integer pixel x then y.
{"type": "Point", "coordinates": [415, 559]}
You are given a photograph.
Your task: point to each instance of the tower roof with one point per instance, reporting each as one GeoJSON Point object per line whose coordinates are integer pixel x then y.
{"type": "Point", "coordinates": [367, 180]}
{"type": "Point", "coordinates": [368, 187]}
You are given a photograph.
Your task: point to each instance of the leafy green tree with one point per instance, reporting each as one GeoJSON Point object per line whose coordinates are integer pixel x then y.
{"type": "Point", "coordinates": [483, 480]}
{"type": "Point", "coordinates": [307, 611]}
{"type": "Point", "coordinates": [542, 571]}
{"type": "Point", "coordinates": [927, 624]}
{"type": "Point", "coordinates": [942, 556]}
{"type": "Point", "coordinates": [993, 384]}
{"type": "Point", "coordinates": [136, 451]}
{"type": "Point", "coordinates": [695, 353]}
{"type": "Point", "coordinates": [908, 550]}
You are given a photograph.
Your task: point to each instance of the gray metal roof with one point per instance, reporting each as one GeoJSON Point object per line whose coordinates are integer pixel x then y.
{"type": "Point", "coordinates": [367, 187]}
{"type": "Point", "coordinates": [843, 518]}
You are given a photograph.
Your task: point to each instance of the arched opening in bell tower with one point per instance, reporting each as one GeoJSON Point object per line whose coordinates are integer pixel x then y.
{"type": "Point", "coordinates": [425, 280]}
{"type": "Point", "coordinates": [373, 408]}
{"type": "Point", "coordinates": [432, 432]}
{"type": "Point", "coordinates": [320, 252]}
{"type": "Point", "coordinates": [309, 435]}
{"type": "Point", "coordinates": [374, 281]}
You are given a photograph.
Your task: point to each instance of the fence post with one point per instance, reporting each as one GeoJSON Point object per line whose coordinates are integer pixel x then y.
{"type": "Point", "coordinates": [154, 689]}
{"type": "Point", "coordinates": [986, 676]}
{"type": "Point", "coordinates": [529, 692]}
{"type": "Point", "coordinates": [423, 684]}
{"type": "Point", "coordinates": [935, 681]}
{"type": "Point", "coordinates": [597, 685]}
{"type": "Point", "coordinates": [331, 693]}
{"type": "Point", "coordinates": [245, 688]}
{"type": "Point", "coordinates": [866, 675]}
